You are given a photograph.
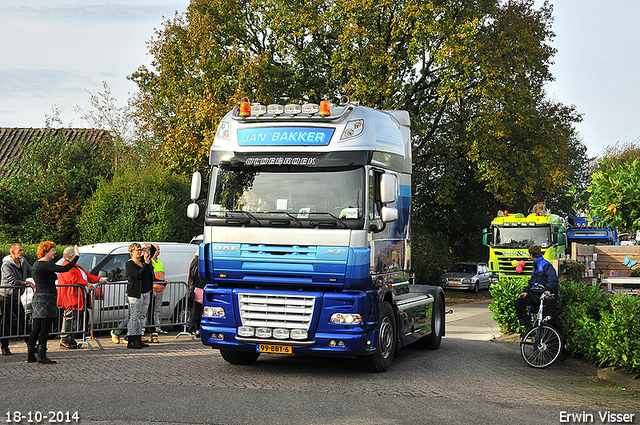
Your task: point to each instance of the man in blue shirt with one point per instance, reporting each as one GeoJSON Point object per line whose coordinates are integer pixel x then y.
{"type": "Point", "coordinates": [544, 281]}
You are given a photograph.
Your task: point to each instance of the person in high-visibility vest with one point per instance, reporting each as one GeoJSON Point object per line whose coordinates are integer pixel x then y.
{"type": "Point", "coordinates": [159, 284]}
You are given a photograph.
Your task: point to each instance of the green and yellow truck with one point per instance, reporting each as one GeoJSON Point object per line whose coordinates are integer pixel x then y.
{"type": "Point", "coordinates": [511, 235]}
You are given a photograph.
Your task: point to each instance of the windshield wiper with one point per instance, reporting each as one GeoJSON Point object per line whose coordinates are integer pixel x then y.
{"type": "Point", "coordinates": [275, 218]}
{"type": "Point", "coordinates": [282, 221]}
{"type": "Point", "coordinates": [322, 223]}
{"type": "Point", "coordinates": [241, 221]}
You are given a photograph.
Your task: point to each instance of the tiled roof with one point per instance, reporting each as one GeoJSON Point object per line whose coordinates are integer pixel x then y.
{"type": "Point", "coordinates": [12, 138]}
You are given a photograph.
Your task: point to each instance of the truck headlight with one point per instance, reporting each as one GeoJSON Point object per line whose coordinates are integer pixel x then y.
{"type": "Point", "coordinates": [245, 331]}
{"type": "Point", "coordinates": [263, 332]}
{"type": "Point", "coordinates": [299, 334]}
{"type": "Point", "coordinates": [345, 319]}
{"type": "Point", "coordinates": [223, 130]}
{"type": "Point", "coordinates": [352, 129]}
{"type": "Point", "coordinates": [213, 312]}
{"type": "Point", "coordinates": [281, 333]}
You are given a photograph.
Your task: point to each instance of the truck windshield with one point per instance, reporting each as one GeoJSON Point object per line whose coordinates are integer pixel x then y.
{"type": "Point", "coordinates": [256, 197]}
{"type": "Point", "coordinates": [521, 237]}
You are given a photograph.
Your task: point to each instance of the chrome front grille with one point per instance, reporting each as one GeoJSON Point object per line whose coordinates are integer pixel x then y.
{"type": "Point", "coordinates": [276, 311]}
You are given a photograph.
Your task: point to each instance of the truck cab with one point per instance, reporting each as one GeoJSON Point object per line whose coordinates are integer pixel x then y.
{"type": "Point", "coordinates": [306, 241]}
{"type": "Point", "coordinates": [590, 230]}
{"type": "Point", "coordinates": [511, 235]}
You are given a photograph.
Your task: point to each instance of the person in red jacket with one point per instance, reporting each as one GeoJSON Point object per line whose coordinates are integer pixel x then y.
{"type": "Point", "coordinates": [73, 299]}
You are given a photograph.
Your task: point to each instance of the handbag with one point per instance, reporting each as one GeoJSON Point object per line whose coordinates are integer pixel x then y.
{"type": "Point", "coordinates": [26, 297]}
{"type": "Point", "coordinates": [199, 292]}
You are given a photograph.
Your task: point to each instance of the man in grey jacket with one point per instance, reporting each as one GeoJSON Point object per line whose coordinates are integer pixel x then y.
{"type": "Point", "coordinates": [15, 271]}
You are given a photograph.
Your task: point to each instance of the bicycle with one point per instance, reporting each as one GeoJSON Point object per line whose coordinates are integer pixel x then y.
{"type": "Point", "coordinates": [541, 344]}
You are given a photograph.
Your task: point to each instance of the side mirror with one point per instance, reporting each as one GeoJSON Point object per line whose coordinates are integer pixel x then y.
{"type": "Point", "coordinates": [388, 214]}
{"type": "Point", "coordinates": [561, 239]}
{"type": "Point", "coordinates": [196, 185]}
{"type": "Point", "coordinates": [387, 188]}
{"type": "Point", "coordinates": [193, 210]}
{"type": "Point", "coordinates": [485, 236]}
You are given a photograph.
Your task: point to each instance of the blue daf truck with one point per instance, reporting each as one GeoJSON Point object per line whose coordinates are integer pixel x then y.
{"type": "Point", "coordinates": [307, 236]}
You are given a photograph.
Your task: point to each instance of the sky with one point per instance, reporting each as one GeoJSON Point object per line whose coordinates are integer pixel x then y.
{"type": "Point", "coordinates": [54, 53]}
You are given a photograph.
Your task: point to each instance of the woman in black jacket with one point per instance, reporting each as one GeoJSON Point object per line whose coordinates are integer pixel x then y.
{"type": "Point", "coordinates": [44, 303]}
{"type": "Point", "coordinates": [140, 274]}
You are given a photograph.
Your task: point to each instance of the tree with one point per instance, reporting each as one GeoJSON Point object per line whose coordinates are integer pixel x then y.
{"type": "Point", "coordinates": [471, 74]}
{"type": "Point", "coordinates": [56, 174]}
{"type": "Point", "coordinates": [140, 203]}
{"type": "Point", "coordinates": [618, 153]}
{"type": "Point", "coordinates": [615, 193]}
{"type": "Point", "coordinates": [130, 145]}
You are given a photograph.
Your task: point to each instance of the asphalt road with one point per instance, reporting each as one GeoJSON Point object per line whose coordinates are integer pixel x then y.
{"type": "Point", "coordinates": [471, 379]}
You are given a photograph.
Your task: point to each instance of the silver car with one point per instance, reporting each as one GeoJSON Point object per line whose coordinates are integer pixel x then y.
{"type": "Point", "coordinates": [469, 276]}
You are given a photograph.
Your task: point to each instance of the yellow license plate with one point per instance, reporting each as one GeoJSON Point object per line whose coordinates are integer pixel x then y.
{"type": "Point", "coordinates": [454, 284]}
{"type": "Point", "coordinates": [275, 349]}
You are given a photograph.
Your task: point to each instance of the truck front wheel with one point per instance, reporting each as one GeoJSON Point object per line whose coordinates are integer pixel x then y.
{"type": "Point", "coordinates": [381, 359]}
{"type": "Point", "coordinates": [239, 357]}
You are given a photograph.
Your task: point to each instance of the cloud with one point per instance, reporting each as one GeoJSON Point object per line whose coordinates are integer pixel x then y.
{"type": "Point", "coordinates": [97, 11]}
{"type": "Point", "coordinates": [18, 83]}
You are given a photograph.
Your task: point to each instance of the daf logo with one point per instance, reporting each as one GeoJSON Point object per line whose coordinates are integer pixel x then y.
{"type": "Point", "coordinates": [225, 248]}
{"type": "Point", "coordinates": [336, 251]}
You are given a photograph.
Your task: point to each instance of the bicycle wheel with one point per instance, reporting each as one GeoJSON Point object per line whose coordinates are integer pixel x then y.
{"type": "Point", "coordinates": [541, 346]}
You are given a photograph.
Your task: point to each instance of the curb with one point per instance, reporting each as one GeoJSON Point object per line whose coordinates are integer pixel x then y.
{"type": "Point", "coordinates": [617, 377]}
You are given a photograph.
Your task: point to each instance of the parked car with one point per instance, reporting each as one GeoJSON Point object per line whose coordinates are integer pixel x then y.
{"type": "Point", "coordinates": [469, 276]}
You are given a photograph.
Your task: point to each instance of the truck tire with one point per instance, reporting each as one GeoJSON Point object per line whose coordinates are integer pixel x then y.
{"type": "Point", "coordinates": [432, 341]}
{"type": "Point", "coordinates": [387, 342]}
{"type": "Point", "coordinates": [239, 357]}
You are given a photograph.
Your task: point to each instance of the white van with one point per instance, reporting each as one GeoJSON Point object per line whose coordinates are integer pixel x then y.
{"type": "Point", "coordinates": [108, 260]}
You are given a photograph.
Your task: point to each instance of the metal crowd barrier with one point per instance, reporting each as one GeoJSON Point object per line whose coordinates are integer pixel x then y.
{"type": "Point", "coordinates": [111, 307]}
{"type": "Point", "coordinates": [14, 321]}
{"type": "Point", "coordinates": [109, 311]}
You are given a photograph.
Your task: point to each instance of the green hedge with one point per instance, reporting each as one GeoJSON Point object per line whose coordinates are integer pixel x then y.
{"type": "Point", "coordinates": [600, 327]}
{"type": "Point", "coordinates": [618, 334]}
{"type": "Point", "coordinates": [504, 293]}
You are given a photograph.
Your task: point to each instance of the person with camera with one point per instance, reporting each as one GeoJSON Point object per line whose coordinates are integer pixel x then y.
{"type": "Point", "coordinates": [140, 275]}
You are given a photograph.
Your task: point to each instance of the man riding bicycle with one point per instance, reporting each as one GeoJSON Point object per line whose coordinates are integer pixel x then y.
{"type": "Point", "coordinates": [544, 280]}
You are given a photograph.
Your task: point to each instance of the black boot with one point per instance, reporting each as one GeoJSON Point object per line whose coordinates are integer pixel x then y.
{"type": "Point", "coordinates": [132, 342]}
{"type": "Point", "coordinates": [5, 349]}
{"type": "Point", "coordinates": [42, 356]}
{"type": "Point", "coordinates": [138, 342]}
{"type": "Point", "coordinates": [31, 354]}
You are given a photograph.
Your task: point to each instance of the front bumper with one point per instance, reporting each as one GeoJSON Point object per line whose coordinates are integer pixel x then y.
{"type": "Point", "coordinates": [257, 308]}
{"type": "Point", "coordinates": [457, 285]}
{"type": "Point", "coordinates": [339, 344]}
